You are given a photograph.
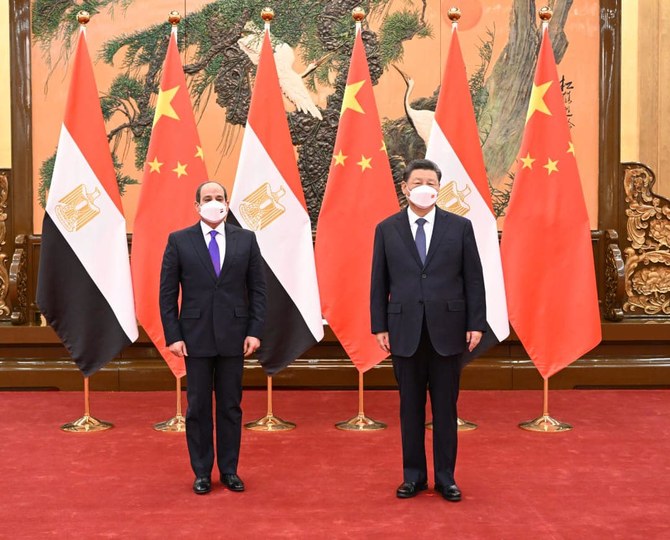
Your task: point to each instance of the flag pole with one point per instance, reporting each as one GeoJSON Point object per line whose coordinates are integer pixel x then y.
{"type": "Point", "coordinates": [360, 422]}
{"type": "Point", "coordinates": [545, 422]}
{"type": "Point", "coordinates": [270, 422]}
{"type": "Point", "coordinates": [176, 424]}
{"type": "Point", "coordinates": [87, 423]}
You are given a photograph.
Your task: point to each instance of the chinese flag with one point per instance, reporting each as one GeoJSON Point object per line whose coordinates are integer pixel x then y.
{"type": "Point", "coordinates": [546, 244]}
{"type": "Point", "coordinates": [173, 170]}
{"type": "Point", "coordinates": [359, 194]}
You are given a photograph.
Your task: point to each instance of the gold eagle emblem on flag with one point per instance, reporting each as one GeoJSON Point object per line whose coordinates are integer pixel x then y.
{"type": "Point", "coordinates": [452, 199]}
{"type": "Point", "coordinates": [262, 207]}
{"type": "Point", "coordinates": [77, 208]}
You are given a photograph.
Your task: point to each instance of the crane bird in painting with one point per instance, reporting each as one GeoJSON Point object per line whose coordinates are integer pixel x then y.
{"type": "Point", "coordinates": [421, 120]}
{"type": "Point", "coordinates": [290, 81]}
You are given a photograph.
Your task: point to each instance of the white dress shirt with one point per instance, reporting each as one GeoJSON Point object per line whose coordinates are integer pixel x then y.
{"type": "Point", "coordinates": [220, 238]}
{"type": "Point", "coordinates": [427, 227]}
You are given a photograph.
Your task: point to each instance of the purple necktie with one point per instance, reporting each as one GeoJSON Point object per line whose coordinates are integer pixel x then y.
{"type": "Point", "coordinates": [420, 239]}
{"type": "Point", "coordinates": [214, 253]}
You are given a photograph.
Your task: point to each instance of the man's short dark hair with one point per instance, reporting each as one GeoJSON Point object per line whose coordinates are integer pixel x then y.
{"type": "Point", "coordinates": [197, 191]}
{"type": "Point", "coordinates": [421, 164]}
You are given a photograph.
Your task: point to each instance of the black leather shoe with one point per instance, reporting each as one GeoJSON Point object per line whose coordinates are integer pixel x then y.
{"type": "Point", "coordinates": [232, 482]}
{"type": "Point", "coordinates": [451, 493]}
{"type": "Point", "coordinates": [202, 485]}
{"type": "Point", "coordinates": [407, 490]}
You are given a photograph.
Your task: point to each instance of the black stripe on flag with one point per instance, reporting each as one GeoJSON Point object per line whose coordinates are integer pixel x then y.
{"type": "Point", "coordinates": [74, 306]}
{"type": "Point", "coordinates": [488, 341]}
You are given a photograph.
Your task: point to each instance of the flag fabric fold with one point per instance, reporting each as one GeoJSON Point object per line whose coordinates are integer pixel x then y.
{"type": "Point", "coordinates": [359, 194]}
{"type": "Point", "coordinates": [84, 285]}
{"type": "Point", "coordinates": [455, 146]}
{"type": "Point", "coordinates": [268, 199]}
{"type": "Point", "coordinates": [546, 243]}
{"type": "Point", "coordinates": [174, 168]}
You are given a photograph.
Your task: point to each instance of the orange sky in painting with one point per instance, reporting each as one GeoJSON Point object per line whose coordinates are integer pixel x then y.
{"type": "Point", "coordinates": [423, 60]}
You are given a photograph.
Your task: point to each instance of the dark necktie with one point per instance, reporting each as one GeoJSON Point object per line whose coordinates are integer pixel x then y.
{"type": "Point", "coordinates": [214, 253]}
{"type": "Point", "coordinates": [420, 239]}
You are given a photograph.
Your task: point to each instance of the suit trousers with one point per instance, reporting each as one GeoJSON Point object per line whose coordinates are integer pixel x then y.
{"type": "Point", "coordinates": [223, 375]}
{"type": "Point", "coordinates": [426, 369]}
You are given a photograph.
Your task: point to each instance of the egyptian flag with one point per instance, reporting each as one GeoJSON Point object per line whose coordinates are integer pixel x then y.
{"type": "Point", "coordinates": [84, 288]}
{"type": "Point", "coordinates": [268, 199]}
{"type": "Point", "coordinates": [359, 194]}
{"type": "Point", "coordinates": [546, 243]}
{"type": "Point", "coordinates": [454, 145]}
{"type": "Point", "coordinates": [174, 168]}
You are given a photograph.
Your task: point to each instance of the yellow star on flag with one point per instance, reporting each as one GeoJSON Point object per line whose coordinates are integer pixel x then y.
{"type": "Point", "coordinates": [339, 158]}
{"type": "Point", "coordinates": [164, 104]}
{"type": "Point", "coordinates": [383, 148]}
{"type": "Point", "coordinates": [551, 166]}
{"type": "Point", "coordinates": [527, 161]}
{"type": "Point", "coordinates": [155, 165]}
{"type": "Point", "coordinates": [537, 100]}
{"type": "Point", "coordinates": [571, 148]}
{"type": "Point", "coordinates": [199, 153]}
{"type": "Point", "coordinates": [364, 163]}
{"type": "Point", "coordinates": [349, 101]}
{"type": "Point", "coordinates": [180, 169]}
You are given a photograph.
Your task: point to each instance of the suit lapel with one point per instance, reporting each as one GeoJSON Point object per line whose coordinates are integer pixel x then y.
{"type": "Point", "coordinates": [403, 228]}
{"type": "Point", "coordinates": [439, 228]}
{"type": "Point", "coordinates": [231, 246]}
{"type": "Point", "coordinates": [198, 241]}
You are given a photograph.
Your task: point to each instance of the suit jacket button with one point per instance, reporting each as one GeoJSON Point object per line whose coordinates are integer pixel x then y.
{"type": "Point", "coordinates": [423, 276]}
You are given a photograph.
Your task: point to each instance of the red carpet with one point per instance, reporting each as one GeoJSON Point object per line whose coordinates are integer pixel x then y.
{"type": "Point", "coordinates": [608, 478]}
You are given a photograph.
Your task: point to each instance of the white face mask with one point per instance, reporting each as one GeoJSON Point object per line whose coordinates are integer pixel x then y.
{"type": "Point", "coordinates": [213, 211]}
{"type": "Point", "coordinates": [423, 196]}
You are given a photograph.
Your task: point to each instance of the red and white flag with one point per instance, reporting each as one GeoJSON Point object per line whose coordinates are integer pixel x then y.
{"type": "Point", "coordinates": [268, 199]}
{"type": "Point", "coordinates": [546, 243]}
{"type": "Point", "coordinates": [359, 194]}
{"type": "Point", "coordinates": [454, 145]}
{"type": "Point", "coordinates": [174, 168]}
{"type": "Point", "coordinates": [84, 288]}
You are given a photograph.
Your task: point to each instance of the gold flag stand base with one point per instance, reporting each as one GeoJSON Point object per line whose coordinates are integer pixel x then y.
{"type": "Point", "coordinates": [463, 425]}
{"type": "Point", "coordinates": [270, 422]}
{"type": "Point", "coordinates": [360, 422]}
{"type": "Point", "coordinates": [545, 423]}
{"type": "Point", "coordinates": [176, 424]}
{"type": "Point", "coordinates": [87, 423]}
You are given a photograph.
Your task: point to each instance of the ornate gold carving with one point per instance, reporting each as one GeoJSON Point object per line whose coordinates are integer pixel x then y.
{"type": "Point", "coordinates": [262, 207]}
{"type": "Point", "coordinates": [4, 275]}
{"type": "Point", "coordinates": [614, 278]}
{"type": "Point", "coordinates": [647, 260]}
{"type": "Point", "coordinates": [18, 282]}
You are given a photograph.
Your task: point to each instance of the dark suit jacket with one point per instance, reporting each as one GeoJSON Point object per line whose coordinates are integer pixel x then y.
{"type": "Point", "coordinates": [448, 289]}
{"type": "Point", "coordinates": [216, 314]}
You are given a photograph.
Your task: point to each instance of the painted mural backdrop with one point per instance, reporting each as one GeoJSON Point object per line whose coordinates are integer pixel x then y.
{"type": "Point", "coordinates": [406, 42]}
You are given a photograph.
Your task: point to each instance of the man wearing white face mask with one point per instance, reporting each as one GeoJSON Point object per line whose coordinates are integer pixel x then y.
{"type": "Point", "coordinates": [427, 305]}
{"type": "Point", "coordinates": [219, 271]}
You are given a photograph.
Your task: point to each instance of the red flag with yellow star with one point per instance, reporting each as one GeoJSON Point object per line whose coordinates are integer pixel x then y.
{"type": "Point", "coordinates": [359, 194]}
{"type": "Point", "coordinates": [546, 243]}
{"type": "Point", "coordinates": [173, 170]}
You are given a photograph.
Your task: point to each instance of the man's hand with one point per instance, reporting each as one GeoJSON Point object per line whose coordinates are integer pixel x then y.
{"type": "Point", "coordinates": [383, 340]}
{"type": "Point", "coordinates": [473, 338]}
{"type": "Point", "coordinates": [251, 344]}
{"type": "Point", "coordinates": [178, 348]}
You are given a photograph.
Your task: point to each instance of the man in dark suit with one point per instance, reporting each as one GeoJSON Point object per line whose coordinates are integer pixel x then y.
{"type": "Point", "coordinates": [427, 305]}
{"type": "Point", "coordinates": [219, 271]}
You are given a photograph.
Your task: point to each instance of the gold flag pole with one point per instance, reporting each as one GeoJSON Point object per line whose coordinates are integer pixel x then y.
{"type": "Point", "coordinates": [176, 424]}
{"type": "Point", "coordinates": [360, 422]}
{"type": "Point", "coordinates": [545, 422]}
{"type": "Point", "coordinates": [270, 422]}
{"type": "Point", "coordinates": [86, 423]}
{"type": "Point", "coordinates": [463, 425]}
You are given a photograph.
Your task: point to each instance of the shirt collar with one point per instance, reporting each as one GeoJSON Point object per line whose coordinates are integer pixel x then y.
{"type": "Point", "coordinates": [206, 229]}
{"type": "Point", "coordinates": [429, 217]}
